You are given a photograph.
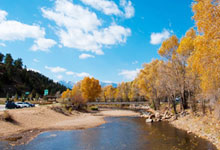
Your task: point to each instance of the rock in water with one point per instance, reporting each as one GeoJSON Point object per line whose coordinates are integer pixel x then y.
{"type": "Point", "coordinates": [149, 120]}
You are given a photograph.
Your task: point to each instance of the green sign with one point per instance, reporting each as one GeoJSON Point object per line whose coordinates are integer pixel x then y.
{"type": "Point", "coordinates": [27, 93]}
{"type": "Point", "coordinates": [46, 92]}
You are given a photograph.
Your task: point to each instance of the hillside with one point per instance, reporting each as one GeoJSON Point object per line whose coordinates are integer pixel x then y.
{"type": "Point", "coordinates": [14, 79]}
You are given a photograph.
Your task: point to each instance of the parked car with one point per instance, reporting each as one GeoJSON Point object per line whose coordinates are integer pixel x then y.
{"type": "Point", "coordinates": [29, 104]}
{"type": "Point", "coordinates": [22, 104]}
{"type": "Point", "coordinates": [178, 99]}
{"type": "Point", "coordinates": [11, 105]}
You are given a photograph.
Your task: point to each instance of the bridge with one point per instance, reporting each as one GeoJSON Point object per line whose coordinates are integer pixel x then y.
{"type": "Point", "coordinates": [118, 103]}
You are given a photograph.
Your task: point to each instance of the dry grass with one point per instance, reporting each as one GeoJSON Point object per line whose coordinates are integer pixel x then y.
{"type": "Point", "coordinates": [60, 110]}
{"type": "Point", "coordinates": [2, 100]}
{"type": "Point", "coordinates": [217, 111]}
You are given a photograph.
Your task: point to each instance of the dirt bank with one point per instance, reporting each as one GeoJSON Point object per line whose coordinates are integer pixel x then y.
{"type": "Point", "coordinates": [206, 127]}
{"type": "Point", "coordinates": [29, 122]}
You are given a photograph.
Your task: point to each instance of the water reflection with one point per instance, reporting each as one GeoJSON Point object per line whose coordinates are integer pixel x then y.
{"type": "Point", "coordinates": [125, 133]}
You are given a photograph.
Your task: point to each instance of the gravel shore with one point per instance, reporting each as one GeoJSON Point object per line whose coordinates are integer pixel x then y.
{"type": "Point", "coordinates": [205, 127]}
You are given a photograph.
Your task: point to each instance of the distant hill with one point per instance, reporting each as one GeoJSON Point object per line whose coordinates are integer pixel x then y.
{"type": "Point", "coordinates": [69, 84]}
{"type": "Point", "coordinates": [14, 79]}
{"type": "Point", "coordinates": [103, 84]}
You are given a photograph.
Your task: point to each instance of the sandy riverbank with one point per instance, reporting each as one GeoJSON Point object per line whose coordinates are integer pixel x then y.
{"type": "Point", "coordinates": [205, 127]}
{"type": "Point", "coordinates": [30, 122]}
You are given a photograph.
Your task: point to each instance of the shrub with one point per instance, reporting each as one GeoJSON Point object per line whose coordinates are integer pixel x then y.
{"type": "Point", "coordinates": [94, 108]}
{"type": "Point", "coordinates": [70, 110]}
{"type": "Point", "coordinates": [59, 110]}
{"type": "Point", "coordinates": [7, 117]}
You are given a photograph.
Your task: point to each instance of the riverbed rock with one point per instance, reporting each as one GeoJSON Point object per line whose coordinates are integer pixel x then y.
{"type": "Point", "coordinates": [152, 116]}
{"type": "Point", "coordinates": [157, 115]}
{"type": "Point", "coordinates": [149, 120]}
{"type": "Point", "coordinates": [156, 120]}
{"type": "Point", "coordinates": [144, 116]}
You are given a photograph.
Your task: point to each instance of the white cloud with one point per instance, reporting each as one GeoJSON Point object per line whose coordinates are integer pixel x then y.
{"type": "Point", "coordinates": [109, 7]}
{"type": "Point", "coordinates": [157, 38]}
{"type": "Point", "coordinates": [60, 46]}
{"type": "Point", "coordinates": [129, 74]}
{"type": "Point", "coordinates": [109, 82]}
{"type": "Point", "coordinates": [59, 77]}
{"type": "Point", "coordinates": [55, 69]}
{"type": "Point", "coordinates": [112, 35]}
{"type": "Point", "coordinates": [2, 44]}
{"type": "Point", "coordinates": [82, 74]}
{"type": "Point", "coordinates": [106, 6]}
{"type": "Point", "coordinates": [43, 44]}
{"type": "Point", "coordinates": [85, 56]}
{"type": "Point", "coordinates": [36, 60]}
{"type": "Point", "coordinates": [70, 73]}
{"type": "Point", "coordinates": [35, 70]}
{"type": "Point", "coordinates": [128, 8]}
{"type": "Point", "coordinates": [81, 29]}
{"type": "Point", "coordinates": [134, 62]}
{"type": "Point", "coordinates": [11, 30]}
{"type": "Point", "coordinates": [3, 15]}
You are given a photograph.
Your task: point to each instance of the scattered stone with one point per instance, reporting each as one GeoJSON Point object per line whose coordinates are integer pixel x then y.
{"type": "Point", "coordinates": [152, 116]}
{"type": "Point", "coordinates": [15, 138]}
{"type": "Point", "coordinates": [149, 120]}
{"type": "Point", "coordinates": [157, 115]}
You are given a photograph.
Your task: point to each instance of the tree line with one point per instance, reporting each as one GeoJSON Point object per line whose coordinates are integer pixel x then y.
{"type": "Point", "coordinates": [90, 90]}
{"type": "Point", "coordinates": [189, 68]}
{"type": "Point", "coordinates": [15, 80]}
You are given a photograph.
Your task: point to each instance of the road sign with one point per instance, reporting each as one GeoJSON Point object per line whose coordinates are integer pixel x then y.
{"type": "Point", "coordinates": [46, 92]}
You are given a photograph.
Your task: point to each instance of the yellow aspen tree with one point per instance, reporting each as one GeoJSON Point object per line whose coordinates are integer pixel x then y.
{"type": "Point", "coordinates": [134, 93]}
{"type": "Point", "coordinates": [169, 47]}
{"type": "Point", "coordinates": [110, 92]}
{"type": "Point", "coordinates": [125, 91]}
{"type": "Point", "coordinates": [66, 94]}
{"type": "Point", "coordinates": [148, 82]}
{"type": "Point", "coordinates": [206, 58]}
{"type": "Point", "coordinates": [118, 93]}
{"type": "Point", "coordinates": [76, 94]}
{"type": "Point", "coordinates": [90, 88]}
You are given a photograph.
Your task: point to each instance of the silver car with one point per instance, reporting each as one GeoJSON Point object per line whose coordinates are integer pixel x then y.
{"type": "Point", "coordinates": [21, 104]}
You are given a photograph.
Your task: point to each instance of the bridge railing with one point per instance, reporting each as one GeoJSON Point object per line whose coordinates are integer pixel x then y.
{"type": "Point", "coordinates": [119, 103]}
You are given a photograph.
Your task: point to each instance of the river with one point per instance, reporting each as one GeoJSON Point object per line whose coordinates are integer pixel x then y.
{"type": "Point", "coordinates": [120, 133]}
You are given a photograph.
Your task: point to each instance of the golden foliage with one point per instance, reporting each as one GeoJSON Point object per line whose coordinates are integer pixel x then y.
{"type": "Point", "coordinates": [90, 88]}
{"type": "Point", "coordinates": [169, 47]}
{"type": "Point", "coordinates": [86, 90]}
{"type": "Point", "coordinates": [206, 58]}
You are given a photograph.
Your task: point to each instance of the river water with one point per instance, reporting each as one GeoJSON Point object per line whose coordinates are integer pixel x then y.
{"type": "Point", "coordinates": [120, 133]}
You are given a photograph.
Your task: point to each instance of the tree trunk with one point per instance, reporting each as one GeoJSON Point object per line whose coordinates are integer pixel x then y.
{"type": "Point", "coordinates": [203, 106]}
{"type": "Point", "coordinates": [154, 104]}
{"type": "Point", "coordinates": [174, 106]}
{"type": "Point", "coordinates": [183, 101]}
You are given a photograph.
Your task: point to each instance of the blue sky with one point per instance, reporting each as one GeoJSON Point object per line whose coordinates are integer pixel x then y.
{"type": "Point", "coordinates": [70, 39]}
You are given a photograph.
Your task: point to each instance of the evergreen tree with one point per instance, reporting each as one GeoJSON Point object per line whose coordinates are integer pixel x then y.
{"type": "Point", "coordinates": [18, 63]}
{"type": "Point", "coordinates": [20, 80]}
{"type": "Point", "coordinates": [8, 60]}
{"type": "Point", "coordinates": [1, 57]}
